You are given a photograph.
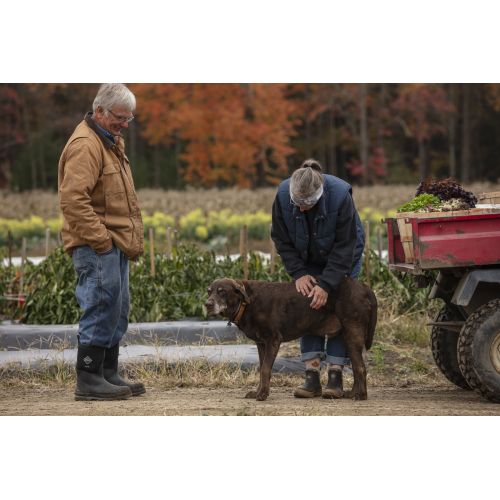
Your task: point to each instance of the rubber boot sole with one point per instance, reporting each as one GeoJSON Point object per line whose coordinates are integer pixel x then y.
{"type": "Point", "coordinates": [138, 392]}
{"type": "Point", "coordinates": [101, 397]}
{"type": "Point", "coordinates": [302, 393]}
{"type": "Point", "coordinates": [333, 394]}
{"type": "Point", "coordinates": [136, 388]}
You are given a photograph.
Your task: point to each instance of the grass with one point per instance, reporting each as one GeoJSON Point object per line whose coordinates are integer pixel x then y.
{"type": "Point", "coordinates": [400, 356]}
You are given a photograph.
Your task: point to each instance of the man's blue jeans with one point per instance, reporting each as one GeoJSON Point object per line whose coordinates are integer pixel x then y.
{"type": "Point", "coordinates": [313, 347]}
{"type": "Point", "coordinates": [103, 294]}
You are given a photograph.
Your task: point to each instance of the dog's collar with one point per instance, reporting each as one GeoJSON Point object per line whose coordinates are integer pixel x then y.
{"type": "Point", "coordinates": [239, 313]}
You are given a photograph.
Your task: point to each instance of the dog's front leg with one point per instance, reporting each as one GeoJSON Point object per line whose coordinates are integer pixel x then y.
{"type": "Point", "coordinates": [271, 348]}
{"type": "Point", "coordinates": [260, 349]}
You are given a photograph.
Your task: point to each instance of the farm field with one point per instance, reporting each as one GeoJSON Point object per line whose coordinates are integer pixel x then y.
{"type": "Point", "coordinates": [382, 198]}
{"type": "Point", "coordinates": [211, 217]}
{"type": "Point", "coordinates": [403, 379]}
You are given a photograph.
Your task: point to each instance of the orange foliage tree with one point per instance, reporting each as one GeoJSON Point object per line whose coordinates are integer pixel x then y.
{"type": "Point", "coordinates": [230, 134]}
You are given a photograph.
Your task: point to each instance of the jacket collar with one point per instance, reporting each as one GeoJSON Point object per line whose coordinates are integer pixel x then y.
{"type": "Point", "coordinates": [93, 125]}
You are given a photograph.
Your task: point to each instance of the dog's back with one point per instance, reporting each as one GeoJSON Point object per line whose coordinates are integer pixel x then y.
{"type": "Point", "coordinates": [278, 306]}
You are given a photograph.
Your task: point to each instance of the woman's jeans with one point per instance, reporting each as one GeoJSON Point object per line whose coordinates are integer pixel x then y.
{"type": "Point", "coordinates": [102, 292]}
{"type": "Point", "coordinates": [313, 347]}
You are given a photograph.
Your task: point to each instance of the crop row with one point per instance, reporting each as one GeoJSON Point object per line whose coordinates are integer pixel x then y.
{"type": "Point", "coordinates": [197, 225]}
{"type": "Point", "coordinates": [176, 290]}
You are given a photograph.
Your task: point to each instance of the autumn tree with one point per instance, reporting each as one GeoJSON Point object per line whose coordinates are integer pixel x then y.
{"type": "Point", "coordinates": [230, 134]}
{"type": "Point", "coordinates": [11, 134]}
{"type": "Point", "coordinates": [422, 110]}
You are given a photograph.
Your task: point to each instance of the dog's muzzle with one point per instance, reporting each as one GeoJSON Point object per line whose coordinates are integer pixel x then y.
{"type": "Point", "coordinates": [213, 307]}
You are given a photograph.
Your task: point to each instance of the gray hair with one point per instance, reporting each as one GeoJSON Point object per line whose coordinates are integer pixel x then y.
{"type": "Point", "coordinates": [306, 182]}
{"type": "Point", "coordinates": [111, 95]}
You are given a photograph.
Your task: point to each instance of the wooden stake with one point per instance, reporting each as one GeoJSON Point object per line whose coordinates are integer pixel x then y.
{"type": "Point", "coordinates": [10, 243]}
{"type": "Point", "coordinates": [168, 251]}
{"type": "Point", "coordinates": [23, 260]}
{"type": "Point", "coordinates": [272, 259]}
{"type": "Point", "coordinates": [367, 252]}
{"type": "Point", "coordinates": [47, 241]}
{"type": "Point", "coordinates": [379, 242]}
{"type": "Point", "coordinates": [244, 250]}
{"type": "Point", "coordinates": [152, 251]}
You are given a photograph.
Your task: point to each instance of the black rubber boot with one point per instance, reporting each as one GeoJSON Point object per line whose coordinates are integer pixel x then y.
{"type": "Point", "coordinates": [334, 388]}
{"type": "Point", "coordinates": [111, 372]}
{"type": "Point", "coordinates": [90, 382]}
{"type": "Point", "coordinates": [311, 388]}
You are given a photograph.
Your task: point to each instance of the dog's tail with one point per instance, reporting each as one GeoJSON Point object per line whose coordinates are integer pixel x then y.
{"type": "Point", "coordinates": [370, 332]}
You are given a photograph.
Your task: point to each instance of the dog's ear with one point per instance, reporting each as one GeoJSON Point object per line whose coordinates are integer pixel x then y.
{"type": "Point", "coordinates": [240, 288]}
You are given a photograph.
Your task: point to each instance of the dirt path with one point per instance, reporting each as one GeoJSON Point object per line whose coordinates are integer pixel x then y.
{"type": "Point", "coordinates": [440, 400]}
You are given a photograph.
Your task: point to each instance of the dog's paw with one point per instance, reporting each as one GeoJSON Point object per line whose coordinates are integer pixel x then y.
{"type": "Point", "coordinates": [262, 396]}
{"type": "Point", "coordinates": [251, 395]}
{"type": "Point", "coordinates": [357, 396]}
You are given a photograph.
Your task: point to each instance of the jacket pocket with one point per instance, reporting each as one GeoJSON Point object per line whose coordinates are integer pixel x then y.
{"type": "Point", "coordinates": [112, 179]}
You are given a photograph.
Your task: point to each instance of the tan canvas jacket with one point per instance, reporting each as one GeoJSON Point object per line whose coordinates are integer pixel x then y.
{"type": "Point", "coordinates": [97, 195]}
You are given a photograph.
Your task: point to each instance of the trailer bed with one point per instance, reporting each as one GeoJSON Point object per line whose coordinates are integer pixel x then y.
{"type": "Point", "coordinates": [437, 240]}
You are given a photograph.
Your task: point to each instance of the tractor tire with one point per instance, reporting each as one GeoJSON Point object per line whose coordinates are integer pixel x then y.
{"type": "Point", "coordinates": [479, 350]}
{"type": "Point", "coordinates": [444, 347]}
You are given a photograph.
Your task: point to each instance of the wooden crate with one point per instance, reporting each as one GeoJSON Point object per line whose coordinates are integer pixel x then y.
{"type": "Point", "coordinates": [492, 198]}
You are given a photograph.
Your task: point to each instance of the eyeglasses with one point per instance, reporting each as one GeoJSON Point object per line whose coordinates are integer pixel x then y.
{"type": "Point", "coordinates": [122, 119]}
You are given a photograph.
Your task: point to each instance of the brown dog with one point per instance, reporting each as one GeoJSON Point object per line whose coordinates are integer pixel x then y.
{"type": "Point", "coordinates": [271, 313]}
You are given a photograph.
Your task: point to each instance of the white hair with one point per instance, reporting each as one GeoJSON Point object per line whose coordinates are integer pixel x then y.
{"type": "Point", "coordinates": [111, 95]}
{"type": "Point", "coordinates": [306, 183]}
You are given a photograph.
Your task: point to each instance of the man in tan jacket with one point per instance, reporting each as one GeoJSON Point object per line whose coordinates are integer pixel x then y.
{"type": "Point", "coordinates": [102, 230]}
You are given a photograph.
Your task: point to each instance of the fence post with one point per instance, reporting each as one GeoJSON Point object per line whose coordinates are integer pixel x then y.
{"type": "Point", "coordinates": [9, 246]}
{"type": "Point", "coordinates": [367, 251]}
{"type": "Point", "coordinates": [168, 250]}
{"type": "Point", "coordinates": [47, 241]}
{"type": "Point", "coordinates": [23, 260]}
{"type": "Point", "coordinates": [152, 251]}
{"type": "Point", "coordinates": [272, 259]}
{"type": "Point", "coordinates": [379, 242]}
{"type": "Point", "coordinates": [244, 250]}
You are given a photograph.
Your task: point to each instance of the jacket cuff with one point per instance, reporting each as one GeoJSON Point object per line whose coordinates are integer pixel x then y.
{"type": "Point", "coordinates": [326, 287]}
{"type": "Point", "coordinates": [298, 274]}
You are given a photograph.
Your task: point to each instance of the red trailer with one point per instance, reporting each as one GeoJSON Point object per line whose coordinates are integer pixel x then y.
{"type": "Point", "coordinates": [464, 247]}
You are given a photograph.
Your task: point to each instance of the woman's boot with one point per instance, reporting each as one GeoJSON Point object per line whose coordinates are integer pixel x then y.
{"type": "Point", "coordinates": [311, 387]}
{"type": "Point", "coordinates": [334, 388]}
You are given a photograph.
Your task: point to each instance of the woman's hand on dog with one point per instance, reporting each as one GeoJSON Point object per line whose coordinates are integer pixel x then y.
{"type": "Point", "coordinates": [305, 284]}
{"type": "Point", "coordinates": [319, 296]}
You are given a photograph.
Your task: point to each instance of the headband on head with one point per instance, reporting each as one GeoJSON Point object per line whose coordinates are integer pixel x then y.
{"type": "Point", "coordinates": [308, 201]}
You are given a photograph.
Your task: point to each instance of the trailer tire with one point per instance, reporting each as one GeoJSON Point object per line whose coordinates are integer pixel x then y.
{"type": "Point", "coordinates": [479, 350]}
{"type": "Point", "coordinates": [444, 347]}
